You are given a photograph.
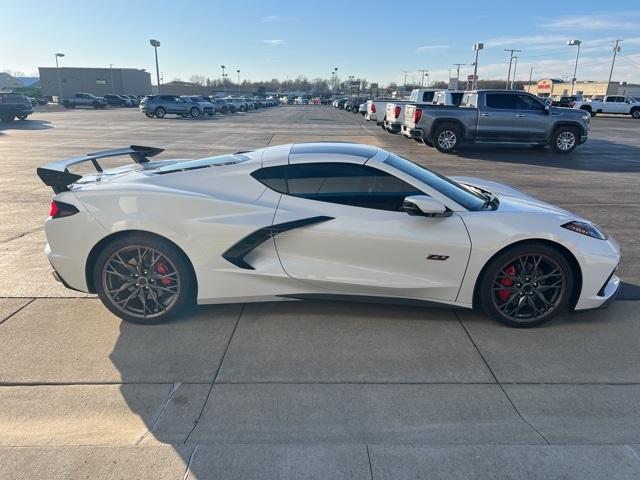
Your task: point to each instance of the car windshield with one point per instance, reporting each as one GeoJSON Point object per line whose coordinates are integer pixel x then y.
{"type": "Point", "coordinates": [456, 192]}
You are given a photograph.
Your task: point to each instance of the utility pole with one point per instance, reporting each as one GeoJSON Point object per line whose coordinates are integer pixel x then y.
{"type": "Point", "coordinates": [511, 52]}
{"type": "Point", "coordinates": [530, 78]}
{"type": "Point", "coordinates": [404, 85]}
{"type": "Point", "coordinates": [457, 65]}
{"type": "Point", "coordinates": [423, 72]}
{"type": "Point", "coordinates": [515, 66]}
{"type": "Point", "coordinates": [113, 88]}
{"type": "Point", "coordinates": [616, 49]}
{"type": "Point", "coordinates": [238, 76]}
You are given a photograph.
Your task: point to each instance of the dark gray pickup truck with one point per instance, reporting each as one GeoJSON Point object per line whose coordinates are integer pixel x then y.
{"type": "Point", "coordinates": [497, 116]}
{"type": "Point", "coordinates": [14, 105]}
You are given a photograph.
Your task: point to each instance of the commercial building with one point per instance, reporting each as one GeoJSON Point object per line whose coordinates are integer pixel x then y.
{"type": "Point", "coordinates": [98, 81]}
{"type": "Point", "coordinates": [552, 87]}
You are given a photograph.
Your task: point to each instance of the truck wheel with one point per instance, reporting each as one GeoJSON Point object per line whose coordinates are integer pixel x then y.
{"type": "Point", "coordinates": [194, 112]}
{"type": "Point", "coordinates": [447, 137]}
{"type": "Point", "coordinates": [22, 116]}
{"type": "Point", "coordinates": [564, 139]}
{"type": "Point", "coordinates": [160, 112]}
{"type": "Point", "coordinates": [588, 109]}
{"type": "Point", "coordinates": [635, 113]}
{"type": "Point", "coordinates": [7, 118]}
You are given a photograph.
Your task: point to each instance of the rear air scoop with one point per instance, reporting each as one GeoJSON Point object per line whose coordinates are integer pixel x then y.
{"type": "Point", "coordinates": [57, 176]}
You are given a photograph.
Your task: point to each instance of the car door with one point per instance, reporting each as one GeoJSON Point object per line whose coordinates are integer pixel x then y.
{"type": "Point", "coordinates": [359, 241]}
{"type": "Point", "coordinates": [511, 117]}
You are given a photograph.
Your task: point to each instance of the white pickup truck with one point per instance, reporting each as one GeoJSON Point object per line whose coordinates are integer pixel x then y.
{"type": "Point", "coordinates": [394, 111]}
{"type": "Point", "coordinates": [617, 104]}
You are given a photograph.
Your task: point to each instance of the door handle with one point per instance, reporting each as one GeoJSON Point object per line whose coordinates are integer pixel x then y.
{"type": "Point", "coordinates": [484, 114]}
{"type": "Point", "coordinates": [520, 114]}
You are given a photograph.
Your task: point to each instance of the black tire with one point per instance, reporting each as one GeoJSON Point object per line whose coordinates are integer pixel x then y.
{"type": "Point", "coordinates": [194, 112]}
{"type": "Point", "coordinates": [564, 139]}
{"type": "Point", "coordinates": [7, 118]}
{"type": "Point", "coordinates": [505, 280]}
{"type": "Point", "coordinates": [22, 116]}
{"type": "Point", "coordinates": [588, 109]}
{"type": "Point", "coordinates": [447, 137]}
{"type": "Point", "coordinates": [160, 112]}
{"type": "Point", "coordinates": [149, 114]}
{"type": "Point", "coordinates": [635, 113]}
{"type": "Point", "coordinates": [171, 260]}
{"type": "Point", "coordinates": [242, 108]}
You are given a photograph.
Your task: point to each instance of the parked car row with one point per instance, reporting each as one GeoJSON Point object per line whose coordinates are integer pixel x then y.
{"type": "Point", "coordinates": [446, 119]}
{"type": "Point", "coordinates": [93, 101]}
{"type": "Point", "coordinates": [195, 105]}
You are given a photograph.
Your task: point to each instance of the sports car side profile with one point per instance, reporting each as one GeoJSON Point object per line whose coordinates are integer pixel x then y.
{"type": "Point", "coordinates": [316, 220]}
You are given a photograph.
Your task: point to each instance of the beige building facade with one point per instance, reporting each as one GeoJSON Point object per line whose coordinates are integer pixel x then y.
{"type": "Point", "coordinates": [551, 87]}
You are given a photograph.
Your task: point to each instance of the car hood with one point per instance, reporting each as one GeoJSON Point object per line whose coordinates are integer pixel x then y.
{"type": "Point", "coordinates": [514, 200]}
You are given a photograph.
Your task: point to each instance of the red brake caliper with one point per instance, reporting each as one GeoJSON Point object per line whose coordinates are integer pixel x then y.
{"type": "Point", "coordinates": [161, 268]}
{"type": "Point", "coordinates": [504, 294]}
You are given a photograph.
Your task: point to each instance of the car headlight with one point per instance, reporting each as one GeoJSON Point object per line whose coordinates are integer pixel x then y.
{"type": "Point", "coordinates": [586, 228]}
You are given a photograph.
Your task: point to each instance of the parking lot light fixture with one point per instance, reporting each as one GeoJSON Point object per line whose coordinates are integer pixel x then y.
{"type": "Point", "coordinates": [155, 44]}
{"type": "Point", "coordinates": [574, 43]}
{"type": "Point", "coordinates": [59, 55]}
{"type": "Point", "coordinates": [238, 71]}
{"type": "Point", "coordinates": [476, 47]}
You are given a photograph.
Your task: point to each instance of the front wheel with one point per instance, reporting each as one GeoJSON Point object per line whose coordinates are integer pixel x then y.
{"type": "Point", "coordinates": [446, 138]}
{"type": "Point", "coordinates": [636, 113]}
{"type": "Point", "coordinates": [564, 139]}
{"type": "Point", "coordinates": [149, 114]}
{"type": "Point", "coordinates": [160, 112]}
{"type": "Point", "coordinates": [526, 286]}
{"type": "Point", "coordinates": [144, 279]}
{"type": "Point", "coordinates": [194, 112]}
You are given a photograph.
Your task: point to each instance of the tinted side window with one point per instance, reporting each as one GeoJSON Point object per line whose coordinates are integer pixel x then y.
{"type": "Point", "coordinates": [427, 96]}
{"type": "Point", "coordinates": [273, 177]}
{"type": "Point", "coordinates": [611, 99]}
{"type": "Point", "coordinates": [348, 184]}
{"type": "Point", "coordinates": [502, 101]}
{"type": "Point", "coordinates": [525, 102]}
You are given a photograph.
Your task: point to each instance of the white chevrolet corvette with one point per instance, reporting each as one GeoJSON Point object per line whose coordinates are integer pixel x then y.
{"type": "Point", "coordinates": [316, 220]}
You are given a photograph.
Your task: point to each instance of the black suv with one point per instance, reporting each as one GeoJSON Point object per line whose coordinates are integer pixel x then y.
{"type": "Point", "coordinates": [14, 105]}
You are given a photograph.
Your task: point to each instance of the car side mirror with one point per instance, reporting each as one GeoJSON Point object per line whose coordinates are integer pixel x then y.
{"type": "Point", "coordinates": [425, 206]}
{"type": "Point", "coordinates": [547, 109]}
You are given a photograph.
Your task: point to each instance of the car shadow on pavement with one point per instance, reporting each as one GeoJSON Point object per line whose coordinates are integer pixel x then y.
{"type": "Point", "coordinates": [26, 125]}
{"type": "Point", "coordinates": [595, 155]}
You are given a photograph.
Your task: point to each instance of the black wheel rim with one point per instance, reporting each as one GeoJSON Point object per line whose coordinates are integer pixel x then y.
{"type": "Point", "coordinates": [141, 281]}
{"type": "Point", "coordinates": [528, 288]}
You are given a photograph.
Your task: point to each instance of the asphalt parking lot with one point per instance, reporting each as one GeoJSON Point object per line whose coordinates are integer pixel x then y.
{"type": "Point", "coordinates": [313, 389]}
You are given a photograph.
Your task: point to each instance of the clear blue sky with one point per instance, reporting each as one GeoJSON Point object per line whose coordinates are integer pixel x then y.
{"type": "Point", "coordinates": [374, 40]}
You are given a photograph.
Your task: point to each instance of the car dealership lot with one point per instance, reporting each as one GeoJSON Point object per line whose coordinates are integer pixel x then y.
{"type": "Point", "coordinates": [323, 390]}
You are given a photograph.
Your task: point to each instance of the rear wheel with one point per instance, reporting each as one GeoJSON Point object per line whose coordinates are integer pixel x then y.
{"type": "Point", "coordinates": [144, 279]}
{"type": "Point", "coordinates": [160, 112]}
{"type": "Point", "coordinates": [564, 139]}
{"type": "Point", "coordinates": [447, 137]}
{"type": "Point", "coordinates": [635, 113]}
{"type": "Point", "coordinates": [22, 116]}
{"type": "Point", "coordinates": [194, 112]}
{"type": "Point", "coordinates": [526, 286]}
{"type": "Point", "coordinates": [149, 114]}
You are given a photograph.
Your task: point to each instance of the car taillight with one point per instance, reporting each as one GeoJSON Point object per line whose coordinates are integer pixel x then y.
{"type": "Point", "coordinates": [61, 209]}
{"type": "Point", "coordinates": [417, 115]}
{"type": "Point", "coordinates": [373, 108]}
{"type": "Point", "coordinates": [396, 112]}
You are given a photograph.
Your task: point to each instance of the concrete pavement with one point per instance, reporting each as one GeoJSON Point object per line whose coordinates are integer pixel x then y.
{"type": "Point", "coordinates": [312, 389]}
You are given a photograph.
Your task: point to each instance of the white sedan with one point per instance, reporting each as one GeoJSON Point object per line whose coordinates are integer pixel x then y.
{"type": "Point", "coordinates": [317, 220]}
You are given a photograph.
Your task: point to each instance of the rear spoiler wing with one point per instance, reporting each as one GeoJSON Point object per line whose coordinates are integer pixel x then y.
{"type": "Point", "coordinates": [57, 175]}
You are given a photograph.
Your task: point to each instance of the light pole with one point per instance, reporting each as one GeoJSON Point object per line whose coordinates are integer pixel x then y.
{"type": "Point", "coordinates": [511, 51]}
{"type": "Point", "coordinates": [335, 78]}
{"type": "Point", "coordinates": [58, 74]}
{"type": "Point", "coordinates": [476, 47]}
{"type": "Point", "coordinates": [573, 43]}
{"type": "Point", "coordinates": [111, 73]}
{"type": "Point", "coordinates": [222, 67]}
{"type": "Point", "coordinates": [616, 49]}
{"type": "Point", "coordinates": [238, 76]}
{"type": "Point", "coordinates": [155, 44]}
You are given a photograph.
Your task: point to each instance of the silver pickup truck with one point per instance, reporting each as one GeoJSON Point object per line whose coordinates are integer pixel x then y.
{"type": "Point", "coordinates": [498, 116]}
